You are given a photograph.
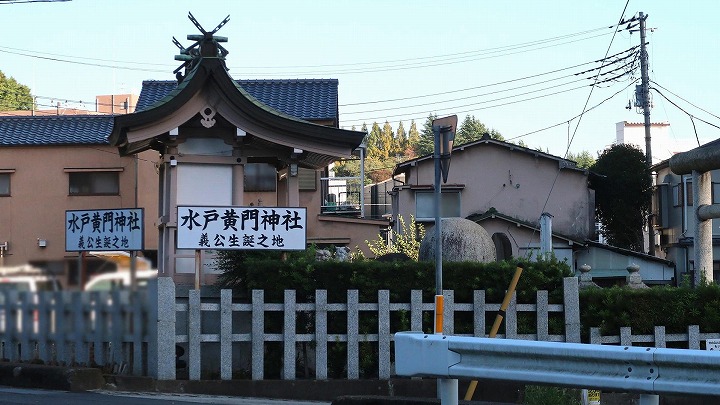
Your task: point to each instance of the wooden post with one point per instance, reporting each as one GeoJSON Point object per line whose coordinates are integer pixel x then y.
{"type": "Point", "coordinates": [198, 268]}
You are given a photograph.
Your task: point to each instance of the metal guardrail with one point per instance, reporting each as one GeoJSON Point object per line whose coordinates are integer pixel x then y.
{"type": "Point", "coordinates": [621, 368]}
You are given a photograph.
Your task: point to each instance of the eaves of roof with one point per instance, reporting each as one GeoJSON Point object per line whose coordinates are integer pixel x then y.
{"type": "Point", "coordinates": [629, 252]}
{"type": "Point", "coordinates": [494, 214]}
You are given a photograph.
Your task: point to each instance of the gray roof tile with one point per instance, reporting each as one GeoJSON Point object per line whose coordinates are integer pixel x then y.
{"type": "Point", "coordinates": [307, 99]}
{"type": "Point", "coordinates": [55, 130]}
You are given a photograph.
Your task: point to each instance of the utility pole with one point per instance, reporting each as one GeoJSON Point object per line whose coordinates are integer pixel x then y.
{"type": "Point", "coordinates": [645, 102]}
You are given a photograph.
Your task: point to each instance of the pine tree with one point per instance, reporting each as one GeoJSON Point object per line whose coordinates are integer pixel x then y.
{"type": "Point", "coordinates": [387, 141]}
{"type": "Point", "coordinates": [412, 140]}
{"type": "Point", "coordinates": [471, 129]}
{"type": "Point", "coordinates": [374, 143]}
{"type": "Point", "coordinates": [401, 141]}
{"type": "Point", "coordinates": [426, 142]}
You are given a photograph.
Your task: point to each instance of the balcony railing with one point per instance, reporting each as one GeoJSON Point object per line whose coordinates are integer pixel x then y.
{"type": "Point", "coordinates": [346, 196]}
{"type": "Point", "coordinates": [342, 196]}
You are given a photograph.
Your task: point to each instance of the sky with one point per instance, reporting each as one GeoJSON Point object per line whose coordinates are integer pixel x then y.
{"type": "Point", "coordinates": [525, 68]}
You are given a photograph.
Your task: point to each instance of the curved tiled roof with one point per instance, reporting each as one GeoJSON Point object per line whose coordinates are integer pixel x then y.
{"type": "Point", "coordinates": [55, 130]}
{"type": "Point", "coordinates": [307, 99]}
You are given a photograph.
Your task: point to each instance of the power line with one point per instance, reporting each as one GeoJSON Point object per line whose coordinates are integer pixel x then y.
{"type": "Point", "coordinates": [493, 84]}
{"type": "Point", "coordinates": [692, 117]}
{"type": "Point", "coordinates": [4, 2]}
{"type": "Point", "coordinates": [416, 115]}
{"type": "Point", "coordinates": [500, 91]}
{"type": "Point", "coordinates": [580, 116]}
{"type": "Point", "coordinates": [699, 108]}
{"type": "Point", "coordinates": [79, 63]}
{"type": "Point", "coordinates": [435, 60]}
{"type": "Point", "coordinates": [419, 65]}
{"type": "Point", "coordinates": [439, 56]}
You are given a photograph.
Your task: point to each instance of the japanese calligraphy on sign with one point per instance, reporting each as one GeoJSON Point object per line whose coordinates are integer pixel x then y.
{"type": "Point", "coordinates": [238, 228]}
{"type": "Point", "coordinates": [116, 229]}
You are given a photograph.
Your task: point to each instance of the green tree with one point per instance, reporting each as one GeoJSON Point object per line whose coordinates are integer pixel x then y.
{"type": "Point", "coordinates": [347, 168]}
{"type": "Point", "coordinates": [413, 138]}
{"type": "Point", "coordinates": [584, 159]}
{"type": "Point", "coordinates": [13, 95]}
{"type": "Point", "coordinates": [623, 189]}
{"type": "Point", "coordinates": [426, 142]}
{"type": "Point", "coordinates": [374, 142]}
{"type": "Point", "coordinates": [387, 141]}
{"type": "Point", "coordinates": [401, 141]}
{"type": "Point", "coordinates": [471, 129]}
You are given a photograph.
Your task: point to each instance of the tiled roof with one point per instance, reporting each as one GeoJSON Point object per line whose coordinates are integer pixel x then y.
{"type": "Point", "coordinates": [307, 99]}
{"type": "Point", "coordinates": [55, 130]}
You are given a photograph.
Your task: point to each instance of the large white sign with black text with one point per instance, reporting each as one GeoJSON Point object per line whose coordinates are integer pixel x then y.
{"type": "Point", "coordinates": [237, 228]}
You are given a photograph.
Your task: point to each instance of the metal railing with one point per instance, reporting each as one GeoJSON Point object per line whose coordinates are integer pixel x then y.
{"type": "Point", "coordinates": [621, 368]}
{"type": "Point", "coordinates": [342, 196]}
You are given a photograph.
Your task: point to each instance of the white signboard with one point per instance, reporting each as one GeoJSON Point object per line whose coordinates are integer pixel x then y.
{"type": "Point", "coordinates": [712, 344]}
{"type": "Point", "coordinates": [117, 229]}
{"type": "Point", "coordinates": [238, 228]}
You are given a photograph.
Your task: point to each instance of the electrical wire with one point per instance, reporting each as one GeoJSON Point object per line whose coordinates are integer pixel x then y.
{"type": "Point", "coordinates": [492, 84]}
{"type": "Point", "coordinates": [418, 116]}
{"type": "Point", "coordinates": [579, 117]}
{"type": "Point", "coordinates": [539, 41]}
{"type": "Point", "coordinates": [699, 108]}
{"type": "Point", "coordinates": [692, 117]}
{"type": "Point", "coordinates": [391, 65]}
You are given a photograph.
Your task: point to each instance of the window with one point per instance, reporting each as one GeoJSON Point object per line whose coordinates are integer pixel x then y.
{"type": "Point", "coordinates": [716, 193]}
{"type": "Point", "coordinates": [94, 182]}
{"type": "Point", "coordinates": [307, 179]}
{"type": "Point", "coordinates": [689, 193]}
{"type": "Point", "coordinates": [425, 205]}
{"type": "Point", "coordinates": [677, 196]}
{"type": "Point", "coordinates": [4, 184]}
{"type": "Point", "coordinates": [260, 177]}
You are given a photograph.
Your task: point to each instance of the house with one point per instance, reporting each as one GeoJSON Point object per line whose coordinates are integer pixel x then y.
{"type": "Point", "coordinates": [506, 188]}
{"type": "Point", "coordinates": [51, 164]}
{"type": "Point", "coordinates": [673, 211]}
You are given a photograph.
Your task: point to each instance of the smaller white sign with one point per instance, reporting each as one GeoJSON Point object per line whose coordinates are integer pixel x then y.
{"type": "Point", "coordinates": [102, 230]}
{"type": "Point", "coordinates": [712, 344]}
{"type": "Point", "coordinates": [241, 228]}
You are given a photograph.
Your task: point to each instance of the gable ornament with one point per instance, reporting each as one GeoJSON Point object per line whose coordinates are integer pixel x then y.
{"type": "Point", "coordinates": [207, 117]}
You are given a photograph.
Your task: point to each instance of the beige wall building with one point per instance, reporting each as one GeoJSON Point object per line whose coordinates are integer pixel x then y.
{"type": "Point", "coordinates": [505, 188]}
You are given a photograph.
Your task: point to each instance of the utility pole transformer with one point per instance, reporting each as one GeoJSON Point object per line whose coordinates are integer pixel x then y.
{"type": "Point", "coordinates": [645, 101]}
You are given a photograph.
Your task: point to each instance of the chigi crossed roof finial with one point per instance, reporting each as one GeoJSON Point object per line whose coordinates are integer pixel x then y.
{"type": "Point", "coordinates": [206, 45]}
